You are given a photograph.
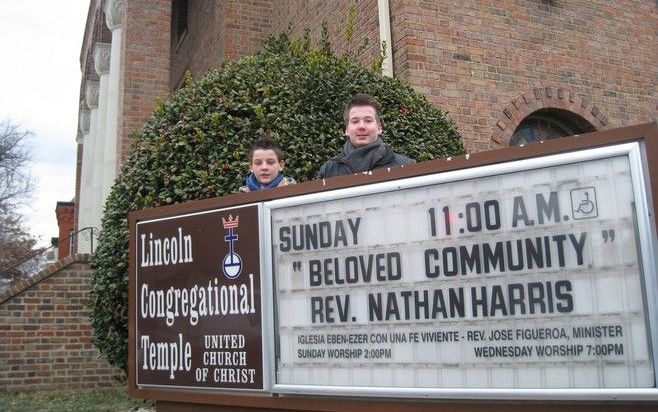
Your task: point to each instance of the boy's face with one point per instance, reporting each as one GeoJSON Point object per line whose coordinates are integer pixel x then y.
{"type": "Point", "coordinates": [362, 126]}
{"type": "Point", "coordinates": [265, 165]}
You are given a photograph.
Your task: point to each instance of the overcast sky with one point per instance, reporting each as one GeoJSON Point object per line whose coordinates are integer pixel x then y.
{"type": "Point", "coordinates": [40, 41]}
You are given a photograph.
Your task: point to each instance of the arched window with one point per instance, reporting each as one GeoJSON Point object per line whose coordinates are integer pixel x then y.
{"type": "Point", "coordinates": [547, 124]}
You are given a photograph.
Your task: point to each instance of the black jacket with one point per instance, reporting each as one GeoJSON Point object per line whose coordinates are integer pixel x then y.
{"type": "Point", "coordinates": [362, 159]}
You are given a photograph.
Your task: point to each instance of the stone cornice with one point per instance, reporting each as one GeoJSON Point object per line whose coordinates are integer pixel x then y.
{"type": "Point", "coordinates": [114, 14]}
{"type": "Point", "coordinates": [91, 93]}
{"type": "Point", "coordinates": [102, 58]}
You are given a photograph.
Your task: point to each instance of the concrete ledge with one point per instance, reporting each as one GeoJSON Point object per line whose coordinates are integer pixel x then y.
{"type": "Point", "coordinates": [24, 284]}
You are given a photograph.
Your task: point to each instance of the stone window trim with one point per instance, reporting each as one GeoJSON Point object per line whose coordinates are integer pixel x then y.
{"type": "Point", "coordinates": [543, 98]}
{"type": "Point", "coordinates": [114, 14]}
{"type": "Point", "coordinates": [548, 124]}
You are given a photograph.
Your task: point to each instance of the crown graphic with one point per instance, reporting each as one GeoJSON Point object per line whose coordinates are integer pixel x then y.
{"type": "Point", "coordinates": [230, 223]}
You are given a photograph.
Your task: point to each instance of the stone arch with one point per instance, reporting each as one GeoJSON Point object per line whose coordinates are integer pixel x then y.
{"type": "Point", "coordinates": [543, 98]}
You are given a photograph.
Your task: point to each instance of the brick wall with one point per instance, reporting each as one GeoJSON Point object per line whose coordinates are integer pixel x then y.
{"type": "Point", "coordinates": [144, 66]}
{"type": "Point", "coordinates": [218, 31]}
{"type": "Point", "coordinates": [487, 64]}
{"type": "Point", "coordinates": [303, 15]}
{"type": "Point", "coordinates": [475, 59]}
{"type": "Point", "coordinates": [45, 333]}
{"type": "Point", "coordinates": [65, 212]}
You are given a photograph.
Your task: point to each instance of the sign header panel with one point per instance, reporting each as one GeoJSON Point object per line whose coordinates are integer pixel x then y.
{"type": "Point", "coordinates": [530, 279]}
{"type": "Point", "coordinates": [198, 300]}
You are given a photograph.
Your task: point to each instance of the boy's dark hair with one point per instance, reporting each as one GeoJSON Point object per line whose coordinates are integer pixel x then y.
{"type": "Point", "coordinates": [266, 143]}
{"type": "Point", "coordinates": [361, 99]}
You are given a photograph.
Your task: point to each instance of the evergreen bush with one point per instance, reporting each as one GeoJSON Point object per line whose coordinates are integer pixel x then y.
{"type": "Point", "coordinates": [195, 146]}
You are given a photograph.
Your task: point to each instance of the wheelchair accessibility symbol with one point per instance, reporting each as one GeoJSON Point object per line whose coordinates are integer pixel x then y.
{"type": "Point", "coordinates": [583, 203]}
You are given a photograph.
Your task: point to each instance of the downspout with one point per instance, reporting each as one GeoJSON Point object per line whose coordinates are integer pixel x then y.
{"type": "Point", "coordinates": [385, 37]}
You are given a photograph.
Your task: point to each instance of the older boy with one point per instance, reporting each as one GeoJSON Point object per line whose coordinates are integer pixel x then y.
{"type": "Point", "coordinates": [265, 166]}
{"type": "Point", "coordinates": [364, 150]}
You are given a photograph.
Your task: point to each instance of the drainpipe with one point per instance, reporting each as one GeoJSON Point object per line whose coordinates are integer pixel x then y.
{"type": "Point", "coordinates": [385, 37]}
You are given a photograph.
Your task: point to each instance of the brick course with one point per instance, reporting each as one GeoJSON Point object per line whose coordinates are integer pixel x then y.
{"type": "Point", "coordinates": [45, 333]}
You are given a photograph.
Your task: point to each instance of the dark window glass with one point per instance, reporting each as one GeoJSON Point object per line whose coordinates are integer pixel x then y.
{"type": "Point", "coordinates": [548, 124]}
{"type": "Point", "coordinates": [178, 19]}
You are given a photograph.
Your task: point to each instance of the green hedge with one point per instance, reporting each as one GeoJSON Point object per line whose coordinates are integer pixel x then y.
{"type": "Point", "coordinates": [195, 146]}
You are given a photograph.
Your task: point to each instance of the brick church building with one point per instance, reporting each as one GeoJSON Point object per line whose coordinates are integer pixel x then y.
{"type": "Point", "coordinates": [506, 71]}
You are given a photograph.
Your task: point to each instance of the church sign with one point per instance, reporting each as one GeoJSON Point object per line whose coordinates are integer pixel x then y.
{"type": "Point", "coordinates": [199, 311]}
{"type": "Point", "coordinates": [522, 274]}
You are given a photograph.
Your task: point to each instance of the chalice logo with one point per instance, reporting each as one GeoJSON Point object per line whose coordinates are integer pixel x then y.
{"type": "Point", "coordinates": [232, 263]}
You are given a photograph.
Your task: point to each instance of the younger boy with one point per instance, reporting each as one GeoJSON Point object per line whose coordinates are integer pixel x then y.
{"type": "Point", "coordinates": [265, 166]}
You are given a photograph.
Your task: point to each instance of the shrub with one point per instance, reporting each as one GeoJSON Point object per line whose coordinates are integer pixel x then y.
{"type": "Point", "coordinates": [195, 146]}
